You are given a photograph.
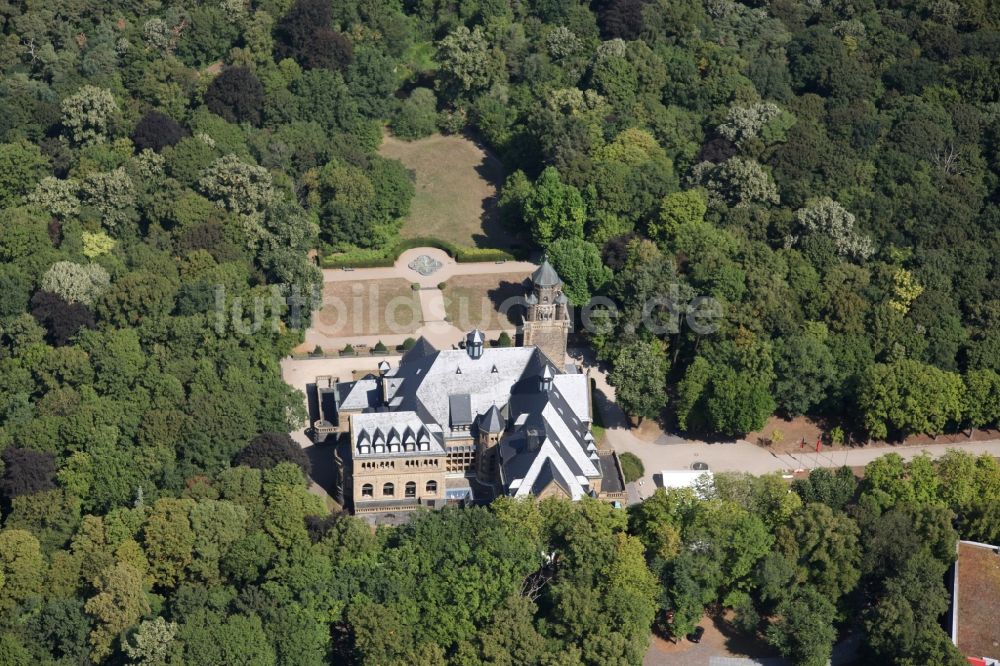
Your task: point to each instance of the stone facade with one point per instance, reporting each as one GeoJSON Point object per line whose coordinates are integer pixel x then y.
{"type": "Point", "coordinates": [547, 320]}
{"type": "Point", "coordinates": [405, 481]}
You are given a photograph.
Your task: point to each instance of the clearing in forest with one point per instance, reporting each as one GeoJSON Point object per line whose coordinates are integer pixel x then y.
{"type": "Point", "coordinates": [456, 184]}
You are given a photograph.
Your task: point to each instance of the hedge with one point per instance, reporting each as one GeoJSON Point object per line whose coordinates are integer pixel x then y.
{"type": "Point", "coordinates": [632, 467]}
{"type": "Point", "coordinates": [381, 258]}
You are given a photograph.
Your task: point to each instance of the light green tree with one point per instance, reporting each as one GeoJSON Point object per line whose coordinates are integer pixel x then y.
{"type": "Point", "coordinates": [153, 644]}
{"type": "Point", "coordinates": [22, 567]}
{"type": "Point", "coordinates": [553, 209]}
{"type": "Point", "coordinates": [417, 115]}
{"type": "Point", "coordinates": [468, 63]}
{"type": "Point", "coordinates": [216, 526]}
{"type": "Point", "coordinates": [982, 399]}
{"type": "Point", "coordinates": [76, 283]}
{"type": "Point", "coordinates": [909, 397]}
{"type": "Point", "coordinates": [238, 187]}
{"type": "Point", "coordinates": [97, 243]}
{"type": "Point", "coordinates": [118, 604]}
{"type": "Point", "coordinates": [88, 114]}
{"type": "Point", "coordinates": [678, 210]}
{"type": "Point", "coordinates": [169, 540]}
{"type": "Point", "coordinates": [579, 264]}
{"type": "Point", "coordinates": [57, 196]}
{"type": "Point", "coordinates": [113, 194]}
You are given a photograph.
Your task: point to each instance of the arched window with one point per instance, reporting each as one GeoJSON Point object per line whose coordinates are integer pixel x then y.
{"type": "Point", "coordinates": [432, 487]}
{"type": "Point", "coordinates": [411, 489]}
{"type": "Point", "coordinates": [388, 490]}
{"type": "Point", "coordinates": [367, 490]}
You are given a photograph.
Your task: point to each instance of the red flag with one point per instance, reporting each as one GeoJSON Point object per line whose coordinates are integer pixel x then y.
{"type": "Point", "coordinates": [819, 443]}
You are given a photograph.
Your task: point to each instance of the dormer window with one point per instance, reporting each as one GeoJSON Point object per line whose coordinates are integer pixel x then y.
{"type": "Point", "coordinates": [545, 381]}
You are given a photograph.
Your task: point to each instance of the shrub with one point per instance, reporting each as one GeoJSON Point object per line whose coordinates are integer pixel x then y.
{"type": "Point", "coordinates": [366, 258]}
{"type": "Point", "coordinates": [348, 350]}
{"type": "Point", "coordinates": [268, 449]}
{"type": "Point", "coordinates": [380, 348]}
{"type": "Point", "coordinates": [632, 467]}
{"type": "Point", "coordinates": [442, 285]}
{"type": "Point", "coordinates": [415, 287]}
{"type": "Point", "coordinates": [317, 351]}
{"type": "Point", "coordinates": [417, 115]}
{"type": "Point", "coordinates": [408, 344]}
{"type": "Point", "coordinates": [504, 340]}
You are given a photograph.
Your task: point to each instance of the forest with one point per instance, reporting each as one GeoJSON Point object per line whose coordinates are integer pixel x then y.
{"type": "Point", "coordinates": [825, 170]}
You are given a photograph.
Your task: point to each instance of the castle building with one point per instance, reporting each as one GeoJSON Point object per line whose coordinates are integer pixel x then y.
{"type": "Point", "coordinates": [471, 424]}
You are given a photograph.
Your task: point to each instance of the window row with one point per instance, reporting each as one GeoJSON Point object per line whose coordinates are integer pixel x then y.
{"type": "Point", "coordinates": [389, 489]}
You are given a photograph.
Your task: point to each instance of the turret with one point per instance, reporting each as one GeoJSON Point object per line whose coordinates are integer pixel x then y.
{"type": "Point", "coordinates": [547, 320]}
{"type": "Point", "coordinates": [474, 342]}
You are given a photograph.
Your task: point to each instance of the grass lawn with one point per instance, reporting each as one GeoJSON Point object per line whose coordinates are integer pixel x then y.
{"type": "Point", "coordinates": [360, 308]}
{"type": "Point", "coordinates": [456, 190]}
{"type": "Point", "coordinates": [471, 301]}
{"type": "Point", "coordinates": [598, 432]}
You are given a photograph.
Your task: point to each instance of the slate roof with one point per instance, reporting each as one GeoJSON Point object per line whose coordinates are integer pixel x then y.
{"type": "Point", "coordinates": [422, 348]}
{"type": "Point", "coordinates": [545, 275]}
{"type": "Point", "coordinates": [452, 371]}
{"type": "Point", "coordinates": [492, 421]}
{"type": "Point", "coordinates": [383, 429]}
{"type": "Point", "coordinates": [546, 434]}
{"type": "Point", "coordinates": [460, 409]}
{"type": "Point", "coordinates": [359, 395]}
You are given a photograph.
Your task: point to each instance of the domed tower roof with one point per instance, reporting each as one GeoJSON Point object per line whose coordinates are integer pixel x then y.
{"type": "Point", "coordinates": [545, 275]}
